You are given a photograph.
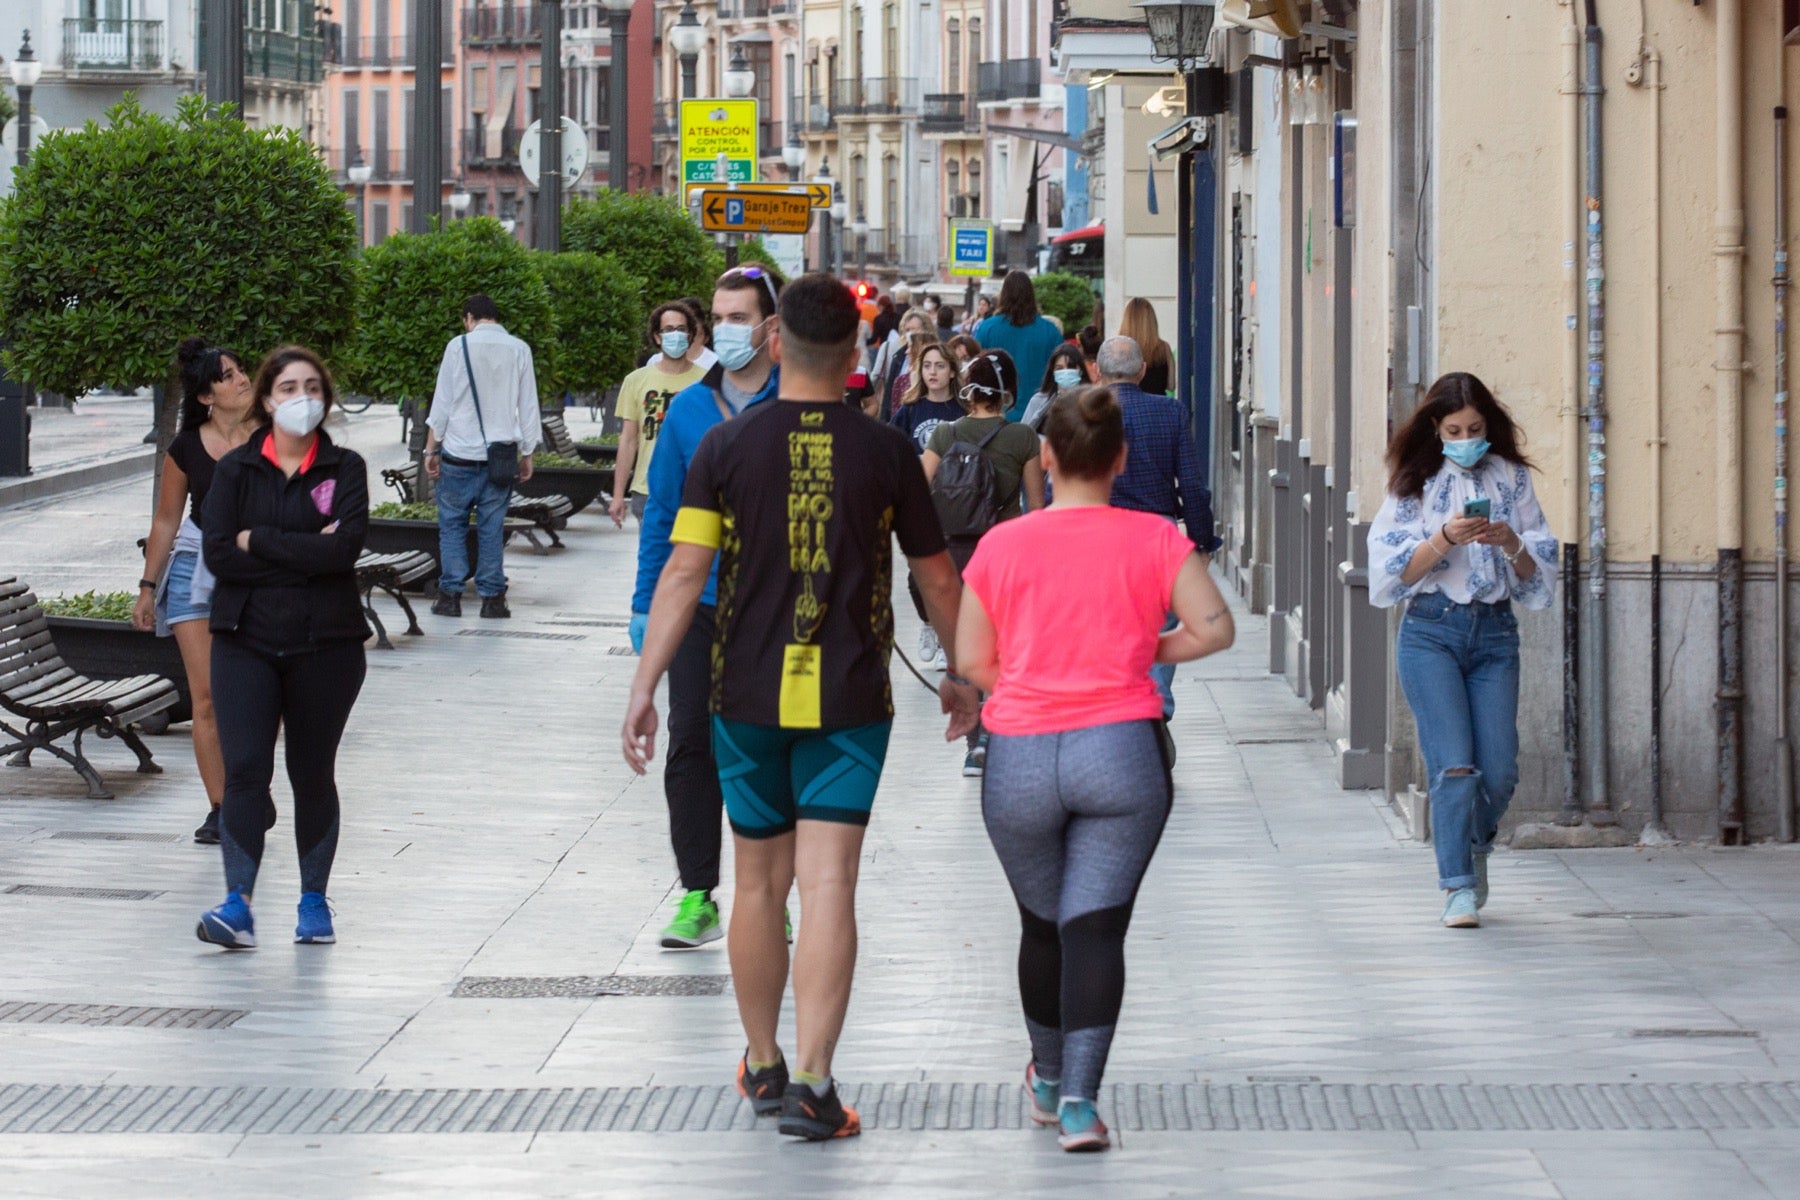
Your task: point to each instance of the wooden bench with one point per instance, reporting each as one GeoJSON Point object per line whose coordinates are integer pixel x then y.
{"type": "Point", "coordinates": [557, 437]}
{"type": "Point", "coordinates": [544, 514]}
{"type": "Point", "coordinates": [392, 573]}
{"type": "Point", "coordinates": [53, 701]}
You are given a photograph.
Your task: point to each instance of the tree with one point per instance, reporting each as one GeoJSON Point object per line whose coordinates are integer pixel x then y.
{"type": "Point", "coordinates": [599, 319]}
{"type": "Point", "coordinates": [1068, 298]}
{"type": "Point", "coordinates": [409, 299]}
{"type": "Point", "coordinates": [651, 237]}
{"type": "Point", "coordinates": [118, 241]}
{"type": "Point", "coordinates": [8, 109]}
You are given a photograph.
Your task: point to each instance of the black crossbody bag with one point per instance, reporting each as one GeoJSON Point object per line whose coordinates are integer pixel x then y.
{"type": "Point", "coordinates": [502, 457]}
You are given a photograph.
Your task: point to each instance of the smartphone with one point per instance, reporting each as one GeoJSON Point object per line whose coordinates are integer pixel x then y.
{"type": "Point", "coordinates": [1483, 508]}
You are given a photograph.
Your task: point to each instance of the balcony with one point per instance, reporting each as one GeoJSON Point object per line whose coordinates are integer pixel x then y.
{"type": "Point", "coordinates": [283, 57]}
{"type": "Point", "coordinates": [662, 120]}
{"type": "Point", "coordinates": [112, 44]}
{"type": "Point", "coordinates": [1014, 79]}
{"type": "Point", "coordinates": [950, 112]}
{"type": "Point", "coordinates": [880, 96]}
{"type": "Point", "coordinates": [771, 136]}
{"type": "Point", "coordinates": [743, 10]}
{"type": "Point", "coordinates": [385, 166]}
{"type": "Point", "coordinates": [382, 52]}
{"type": "Point", "coordinates": [502, 24]}
{"type": "Point", "coordinates": [817, 118]}
{"type": "Point", "coordinates": [490, 148]}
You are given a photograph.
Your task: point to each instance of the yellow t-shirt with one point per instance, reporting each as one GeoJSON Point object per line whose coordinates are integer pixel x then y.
{"type": "Point", "coordinates": [644, 397]}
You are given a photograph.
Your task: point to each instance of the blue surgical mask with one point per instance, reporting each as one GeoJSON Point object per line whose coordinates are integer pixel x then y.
{"type": "Point", "coordinates": [675, 343]}
{"type": "Point", "coordinates": [734, 345]}
{"type": "Point", "coordinates": [1066, 377]}
{"type": "Point", "coordinates": [1466, 453]}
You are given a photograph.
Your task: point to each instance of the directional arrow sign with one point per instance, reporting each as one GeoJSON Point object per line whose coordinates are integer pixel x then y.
{"type": "Point", "coordinates": [740, 211]}
{"type": "Point", "coordinates": [817, 194]}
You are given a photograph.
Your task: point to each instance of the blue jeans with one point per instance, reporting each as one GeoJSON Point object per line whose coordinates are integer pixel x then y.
{"type": "Point", "coordinates": [1163, 675]}
{"type": "Point", "coordinates": [1459, 667]}
{"type": "Point", "coordinates": [460, 489]}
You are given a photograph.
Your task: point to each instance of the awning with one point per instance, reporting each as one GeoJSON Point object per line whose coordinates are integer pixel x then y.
{"type": "Point", "coordinates": [1049, 137]}
{"type": "Point", "coordinates": [754, 35]}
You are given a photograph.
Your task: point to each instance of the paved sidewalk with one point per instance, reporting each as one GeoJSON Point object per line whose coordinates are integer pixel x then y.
{"type": "Point", "coordinates": [1296, 1023]}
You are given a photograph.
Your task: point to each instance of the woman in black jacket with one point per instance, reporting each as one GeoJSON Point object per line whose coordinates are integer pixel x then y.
{"type": "Point", "coordinates": [285, 521]}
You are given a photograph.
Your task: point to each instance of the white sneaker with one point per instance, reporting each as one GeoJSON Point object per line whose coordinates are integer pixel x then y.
{"type": "Point", "coordinates": [928, 645]}
{"type": "Point", "coordinates": [940, 661]}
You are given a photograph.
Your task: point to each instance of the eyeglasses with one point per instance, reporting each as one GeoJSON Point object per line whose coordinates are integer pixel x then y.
{"type": "Point", "coordinates": [768, 280]}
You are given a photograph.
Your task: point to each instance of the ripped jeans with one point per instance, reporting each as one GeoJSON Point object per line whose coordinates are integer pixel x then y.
{"type": "Point", "coordinates": [1459, 667]}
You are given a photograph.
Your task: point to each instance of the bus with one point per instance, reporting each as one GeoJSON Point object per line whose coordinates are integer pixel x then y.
{"type": "Point", "coordinates": [1080, 252]}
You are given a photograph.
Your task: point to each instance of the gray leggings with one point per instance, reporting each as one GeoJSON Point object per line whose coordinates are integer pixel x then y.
{"type": "Point", "coordinates": [1075, 818]}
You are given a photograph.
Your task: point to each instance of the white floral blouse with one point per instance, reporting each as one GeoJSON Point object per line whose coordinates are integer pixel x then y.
{"type": "Point", "coordinates": [1469, 572]}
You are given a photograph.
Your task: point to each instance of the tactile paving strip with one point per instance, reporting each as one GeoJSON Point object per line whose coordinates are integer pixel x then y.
{"type": "Point", "coordinates": [103, 835]}
{"type": "Point", "coordinates": [523, 633]}
{"type": "Point", "coordinates": [948, 1107]}
{"type": "Point", "coordinates": [509, 987]}
{"type": "Point", "coordinates": [28, 1012]}
{"type": "Point", "coordinates": [79, 893]}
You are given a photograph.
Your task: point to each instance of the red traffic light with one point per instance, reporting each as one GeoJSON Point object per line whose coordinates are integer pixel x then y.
{"type": "Point", "coordinates": [862, 291]}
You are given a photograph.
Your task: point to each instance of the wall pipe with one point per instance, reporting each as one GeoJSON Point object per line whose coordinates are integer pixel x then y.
{"type": "Point", "coordinates": [1571, 422]}
{"type": "Point", "coordinates": [1728, 370]}
{"type": "Point", "coordinates": [1594, 640]}
{"type": "Point", "coordinates": [1655, 830]}
{"type": "Point", "coordinates": [1784, 760]}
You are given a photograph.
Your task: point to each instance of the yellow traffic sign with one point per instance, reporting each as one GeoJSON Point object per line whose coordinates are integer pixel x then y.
{"type": "Point", "coordinates": [710, 128]}
{"type": "Point", "coordinates": [737, 211]}
{"type": "Point", "coordinates": [818, 194]}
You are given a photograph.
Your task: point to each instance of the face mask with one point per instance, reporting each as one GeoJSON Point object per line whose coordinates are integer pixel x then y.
{"type": "Point", "coordinates": [1466, 453]}
{"type": "Point", "coordinates": [1066, 377]}
{"type": "Point", "coordinates": [733, 344]}
{"type": "Point", "coordinates": [675, 343]}
{"type": "Point", "coordinates": [299, 416]}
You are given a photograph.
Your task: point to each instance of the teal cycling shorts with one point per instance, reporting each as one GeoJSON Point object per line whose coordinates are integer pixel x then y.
{"type": "Point", "coordinates": [774, 777]}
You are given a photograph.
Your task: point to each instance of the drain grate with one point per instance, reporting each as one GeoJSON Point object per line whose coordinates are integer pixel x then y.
{"type": "Point", "coordinates": [606, 623]}
{"type": "Point", "coordinates": [1627, 915]}
{"type": "Point", "coordinates": [78, 893]}
{"type": "Point", "coordinates": [526, 987]}
{"type": "Point", "coordinates": [1694, 1033]}
{"type": "Point", "coordinates": [27, 1012]}
{"type": "Point", "coordinates": [959, 1107]}
{"type": "Point", "coordinates": [622, 651]}
{"type": "Point", "coordinates": [523, 633]}
{"type": "Point", "coordinates": [106, 835]}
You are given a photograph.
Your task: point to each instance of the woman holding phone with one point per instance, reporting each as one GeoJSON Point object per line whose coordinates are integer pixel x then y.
{"type": "Point", "coordinates": [1460, 536]}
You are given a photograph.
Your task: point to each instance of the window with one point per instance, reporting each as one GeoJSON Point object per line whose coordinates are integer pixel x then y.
{"type": "Point", "coordinates": [859, 187]}
{"type": "Point", "coordinates": [761, 56]}
{"type": "Point", "coordinates": [974, 53]}
{"type": "Point", "coordinates": [1053, 204]}
{"type": "Point", "coordinates": [352, 125]}
{"type": "Point", "coordinates": [478, 89]}
{"type": "Point", "coordinates": [890, 41]}
{"type": "Point", "coordinates": [378, 221]}
{"type": "Point", "coordinates": [406, 211]}
{"type": "Point", "coordinates": [380, 114]}
{"type": "Point", "coordinates": [890, 181]}
{"type": "Point", "coordinates": [856, 42]}
{"type": "Point", "coordinates": [953, 43]}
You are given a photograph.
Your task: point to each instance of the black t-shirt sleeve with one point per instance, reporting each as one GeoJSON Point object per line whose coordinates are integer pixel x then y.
{"type": "Point", "coordinates": [915, 517]}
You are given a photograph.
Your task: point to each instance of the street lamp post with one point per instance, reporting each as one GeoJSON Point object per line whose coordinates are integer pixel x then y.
{"type": "Point", "coordinates": [360, 173]}
{"type": "Point", "coordinates": [839, 210]}
{"type": "Point", "coordinates": [824, 177]}
{"type": "Point", "coordinates": [740, 77]}
{"type": "Point", "coordinates": [860, 227]}
{"type": "Point", "coordinates": [618, 137]}
{"type": "Point", "coordinates": [459, 200]}
{"type": "Point", "coordinates": [549, 223]}
{"type": "Point", "coordinates": [794, 155]}
{"type": "Point", "coordinates": [25, 71]}
{"type": "Point", "coordinates": [687, 36]}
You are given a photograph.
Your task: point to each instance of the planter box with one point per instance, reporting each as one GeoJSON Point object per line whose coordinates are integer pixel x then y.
{"type": "Point", "coordinates": [599, 455]}
{"type": "Point", "coordinates": [114, 650]}
{"type": "Point", "coordinates": [581, 485]}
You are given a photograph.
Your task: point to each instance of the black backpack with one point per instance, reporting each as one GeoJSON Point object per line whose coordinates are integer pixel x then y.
{"type": "Point", "coordinates": [963, 488]}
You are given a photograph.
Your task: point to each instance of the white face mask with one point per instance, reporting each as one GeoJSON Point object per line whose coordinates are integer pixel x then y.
{"type": "Point", "coordinates": [300, 415]}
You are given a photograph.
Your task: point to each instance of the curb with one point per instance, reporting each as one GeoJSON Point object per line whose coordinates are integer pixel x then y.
{"type": "Point", "coordinates": [72, 479]}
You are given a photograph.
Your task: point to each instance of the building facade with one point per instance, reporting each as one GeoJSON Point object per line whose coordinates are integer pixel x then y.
{"type": "Point", "coordinates": [95, 51]}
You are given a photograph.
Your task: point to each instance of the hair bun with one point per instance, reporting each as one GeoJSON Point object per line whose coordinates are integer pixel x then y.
{"type": "Point", "coordinates": [191, 348]}
{"type": "Point", "coordinates": [1097, 405]}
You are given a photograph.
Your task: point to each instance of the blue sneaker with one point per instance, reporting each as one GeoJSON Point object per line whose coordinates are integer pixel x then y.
{"type": "Point", "coordinates": [1082, 1128]}
{"type": "Point", "coordinates": [315, 920]}
{"type": "Point", "coordinates": [1044, 1094]}
{"type": "Point", "coordinates": [230, 925]}
{"type": "Point", "coordinates": [1481, 884]}
{"type": "Point", "coordinates": [1459, 910]}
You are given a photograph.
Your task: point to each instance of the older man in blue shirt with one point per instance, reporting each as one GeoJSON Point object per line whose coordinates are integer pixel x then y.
{"type": "Point", "coordinates": [1163, 471]}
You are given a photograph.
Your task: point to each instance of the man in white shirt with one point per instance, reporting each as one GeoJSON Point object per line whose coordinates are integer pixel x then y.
{"type": "Point", "coordinates": [490, 366]}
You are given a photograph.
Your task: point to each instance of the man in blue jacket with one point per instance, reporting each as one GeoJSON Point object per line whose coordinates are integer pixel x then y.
{"type": "Point", "coordinates": [743, 306]}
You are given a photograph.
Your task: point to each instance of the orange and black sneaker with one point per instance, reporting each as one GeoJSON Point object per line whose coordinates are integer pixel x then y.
{"type": "Point", "coordinates": [762, 1088]}
{"type": "Point", "coordinates": [806, 1114]}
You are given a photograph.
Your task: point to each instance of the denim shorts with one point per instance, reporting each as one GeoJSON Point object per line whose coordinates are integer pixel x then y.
{"type": "Point", "coordinates": [173, 600]}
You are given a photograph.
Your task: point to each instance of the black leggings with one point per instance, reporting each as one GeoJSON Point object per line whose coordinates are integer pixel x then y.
{"type": "Point", "coordinates": [255, 694]}
{"type": "Point", "coordinates": [690, 777]}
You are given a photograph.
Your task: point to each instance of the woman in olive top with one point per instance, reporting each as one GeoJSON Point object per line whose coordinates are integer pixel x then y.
{"type": "Point", "coordinates": [175, 595]}
{"type": "Point", "coordinates": [285, 521]}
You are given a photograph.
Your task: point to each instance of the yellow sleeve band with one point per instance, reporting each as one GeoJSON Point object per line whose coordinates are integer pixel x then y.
{"type": "Point", "coordinates": [698, 527]}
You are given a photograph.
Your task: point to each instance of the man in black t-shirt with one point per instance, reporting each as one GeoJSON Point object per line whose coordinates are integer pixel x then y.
{"type": "Point", "coordinates": [799, 499]}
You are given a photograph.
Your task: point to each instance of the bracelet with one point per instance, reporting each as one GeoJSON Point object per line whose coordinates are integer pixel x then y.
{"type": "Point", "coordinates": [433, 453]}
{"type": "Point", "coordinates": [147, 583]}
{"type": "Point", "coordinates": [1516, 555]}
{"type": "Point", "coordinates": [1445, 530]}
{"type": "Point", "coordinates": [1436, 553]}
{"type": "Point", "coordinates": [953, 677]}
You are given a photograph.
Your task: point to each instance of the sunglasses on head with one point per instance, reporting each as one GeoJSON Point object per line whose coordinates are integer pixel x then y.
{"type": "Point", "coordinates": [767, 279]}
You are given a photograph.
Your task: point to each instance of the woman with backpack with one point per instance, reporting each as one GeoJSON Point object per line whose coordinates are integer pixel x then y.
{"type": "Point", "coordinates": [980, 468]}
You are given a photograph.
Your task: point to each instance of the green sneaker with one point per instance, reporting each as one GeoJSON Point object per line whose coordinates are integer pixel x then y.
{"type": "Point", "coordinates": [787, 921]}
{"type": "Point", "coordinates": [696, 923]}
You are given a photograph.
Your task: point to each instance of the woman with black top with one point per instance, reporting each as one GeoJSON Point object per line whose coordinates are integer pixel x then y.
{"type": "Point", "coordinates": [175, 594]}
{"type": "Point", "coordinates": [285, 521]}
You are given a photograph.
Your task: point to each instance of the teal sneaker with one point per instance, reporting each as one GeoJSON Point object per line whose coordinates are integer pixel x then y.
{"type": "Point", "coordinates": [787, 924]}
{"type": "Point", "coordinates": [1044, 1094]}
{"type": "Point", "coordinates": [1481, 884]}
{"type": "Point", "coordinates": [1459, 910]}
{"type": "Point", "coordinates": [1082, 1128]}
{"type": "Point", "coordinates": [696, 923]}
